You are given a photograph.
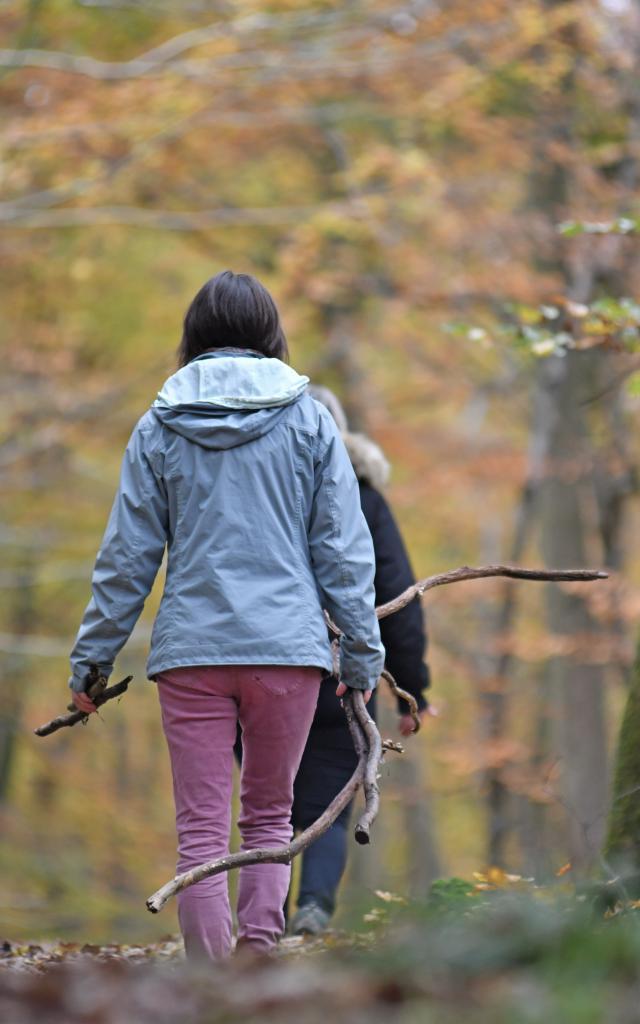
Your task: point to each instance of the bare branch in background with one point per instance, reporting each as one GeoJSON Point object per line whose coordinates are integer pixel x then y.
{"type": "Point", "coordinates": [482, 572]}
{"type": "Point", "coordinates": [266, 65]}
{"type": "Point", "coordinates": [169, 220]}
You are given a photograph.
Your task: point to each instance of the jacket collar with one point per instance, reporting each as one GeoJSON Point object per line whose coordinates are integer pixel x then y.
{"type": "Point", "coordinates": [218, 353]}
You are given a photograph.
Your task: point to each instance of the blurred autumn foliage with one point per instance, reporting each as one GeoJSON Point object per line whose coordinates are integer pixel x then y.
{"type": "Point", "coordinates": [443, 198]}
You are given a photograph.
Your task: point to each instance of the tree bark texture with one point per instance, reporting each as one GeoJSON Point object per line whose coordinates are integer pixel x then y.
{"type": "Point", "coordinates": [622, 849]}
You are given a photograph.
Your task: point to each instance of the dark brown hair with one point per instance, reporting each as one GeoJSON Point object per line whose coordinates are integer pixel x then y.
{"type": "Point", "coordinates": [232, 311]}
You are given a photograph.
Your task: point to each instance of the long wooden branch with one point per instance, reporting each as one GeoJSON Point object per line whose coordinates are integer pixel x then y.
{"type": "Point", "coordinates": [482, 572]}
{"type": "Point", "coordinates": [370, 754]}
{"type": "Point", "coordinates": [266, 855]}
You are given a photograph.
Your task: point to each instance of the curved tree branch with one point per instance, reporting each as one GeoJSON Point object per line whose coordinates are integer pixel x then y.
{"type": "Point", "coordinates": [482, 572]}
{"type": "Point", "coordinates": [408, 698]}
{"type": "Point", "coordinates": [264, 855]}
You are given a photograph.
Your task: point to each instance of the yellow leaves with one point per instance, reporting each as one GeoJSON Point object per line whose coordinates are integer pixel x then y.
{"type": "Point", "coordinates": [380, 915]}
{"type": "Point", "coordinates": [529, 314]}
{"type": "Point", "coordinates": [544, 347]}
{"type": "Point", "coordinates": [391, 168]}
{"type": "Point", "coordinates": [375, 916]}
{"type": "Point", "coordinates": [389, 897]}
{"type": "Point", "coordinates": [496, 878]}
{"type": "Point", "coordinates": [621, 907]}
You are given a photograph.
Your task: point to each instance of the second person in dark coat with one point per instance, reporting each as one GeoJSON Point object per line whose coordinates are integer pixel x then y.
{"type": "Point", "coordinates": [329, 759]}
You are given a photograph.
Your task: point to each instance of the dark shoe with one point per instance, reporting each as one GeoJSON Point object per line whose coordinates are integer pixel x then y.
{"type": "Point", "coordinates": [310, 919]}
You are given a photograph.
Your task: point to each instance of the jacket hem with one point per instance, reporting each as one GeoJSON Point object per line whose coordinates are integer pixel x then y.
{"type": "Point", "coordinates": [188, 658]}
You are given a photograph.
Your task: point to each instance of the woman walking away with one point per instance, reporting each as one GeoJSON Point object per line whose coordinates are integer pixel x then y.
{"type": "Point", "coordinates": [245, 479]}
{"type": "Point", "coordinates": [329, 758]}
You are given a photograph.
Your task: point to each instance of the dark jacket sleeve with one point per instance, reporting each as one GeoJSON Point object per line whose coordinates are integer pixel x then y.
{"type": "Point", "coordinates": [403, 633]}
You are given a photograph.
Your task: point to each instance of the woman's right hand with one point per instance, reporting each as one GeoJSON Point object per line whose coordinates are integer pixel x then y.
{"type": "Point", "coordinates": [342, 689]}
{"type": "Point", "coordinates": [83, 703]}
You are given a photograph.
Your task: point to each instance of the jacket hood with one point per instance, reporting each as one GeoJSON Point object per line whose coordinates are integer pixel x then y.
{"type": "Point", "coordinates": [367, 459]}
{"type": "Point", "coordinates": [227, 398]}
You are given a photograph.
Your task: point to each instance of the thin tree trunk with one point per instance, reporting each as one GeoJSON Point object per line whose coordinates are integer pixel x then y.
{"type": "Point", "coordinates": [622, 849]}
{"type": "Point", "coordinates": [496, 699]}
{"type": "Point", "coordinates": [14, 680]}
{"type": "Point", "coordinates": [578, 682]}
{"type": "Point", "coordinates": [423, 860]}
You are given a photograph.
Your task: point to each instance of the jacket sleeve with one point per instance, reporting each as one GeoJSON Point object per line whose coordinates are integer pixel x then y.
{"type": "Point", "coordinates": [343, 560]}
{"type": "Point", "coordinates": [403, 633]}
{"type": "Point", "coordinates": [126, 565]}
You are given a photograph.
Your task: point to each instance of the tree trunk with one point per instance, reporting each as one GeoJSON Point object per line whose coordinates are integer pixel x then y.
{"type": "Point", "coordinates": [577, 681]}
{"type": "Point", "coordinates": [423, 858]}
{"type": "Point", "coordinates": [622, 849]}
{"type": "Point", "coordinates": [14, 680]}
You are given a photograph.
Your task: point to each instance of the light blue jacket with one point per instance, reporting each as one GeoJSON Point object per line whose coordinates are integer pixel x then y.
{"type": "Point", "coordinates": [244, 479]}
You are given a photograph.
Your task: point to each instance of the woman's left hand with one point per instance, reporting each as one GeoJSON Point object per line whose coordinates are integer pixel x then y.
{"type": "Point", "coordinates": [342, 689]}
{"type": "Point", "coordinates": [407, 725]}
{"type": "Point", "coordinates": [83, 703]}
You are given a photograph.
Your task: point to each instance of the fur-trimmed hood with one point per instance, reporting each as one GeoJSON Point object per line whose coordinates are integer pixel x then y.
{"type": "Point", "coordinates": [367, 459]}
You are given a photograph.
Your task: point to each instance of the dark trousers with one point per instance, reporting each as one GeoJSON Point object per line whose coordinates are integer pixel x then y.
{"type": "Point", "coordinates": [328, 762]}
{"type": "Point", "coordinates": [323, 862]}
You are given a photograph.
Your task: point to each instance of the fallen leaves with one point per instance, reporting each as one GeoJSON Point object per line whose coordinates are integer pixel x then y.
{"type": "Point", "coordinates": [563, 870]}
{"type": "Point", "coordinates": [71, 983]}
{"type": "Point", "coordinates": [32, 957]}
{"type": "Point", "coordinates": [463, 955]}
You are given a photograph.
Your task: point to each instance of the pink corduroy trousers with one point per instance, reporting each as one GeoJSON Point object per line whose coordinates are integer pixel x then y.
{"type": "Point", "coordinates": [201, 707]}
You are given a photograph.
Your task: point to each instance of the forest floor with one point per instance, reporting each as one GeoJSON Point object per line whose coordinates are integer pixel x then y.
{"type": "Point", "coordinates": [471, 953]}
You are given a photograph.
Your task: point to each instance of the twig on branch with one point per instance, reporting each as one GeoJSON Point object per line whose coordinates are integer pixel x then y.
{"type": "Point", "coordinates": [408, 698]}
{"type": "Point", "coordinates": [79, 716]}
{"type": "Point", "coordinates": [481, 572]}
{"type": "Point", "coordinates": [393, 745]}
